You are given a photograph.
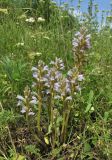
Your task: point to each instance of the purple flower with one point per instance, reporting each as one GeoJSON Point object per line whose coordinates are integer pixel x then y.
{"type": "Point", "coordinates": [73, 81]}
{"type": "Point", "coordinates": [58, 75]}
{"type": "Point", "coordinates": [44, 79]}
{"type": "Point", "coordinates": [67, 86]}
{"type": "Point", "coordinates": [31, 113]}
{"type": "Point", "coordinates": [47, 91]}
{"type": "Point", "coordinates": [77, 34]}
{"type": "Point", "coordinates": [52, 78]}
{"type": "Point", "coordinates": [62, 66]}
{"type": "Point", "coordinates": [88, 36]}
{"type": "Point", "coordinates": [80, 77]}
{"type": "Point", "coordinates": [57, 87]}
{"type": "Point", "coordinates": [88, 45]}
{"type": "Point", "coordinates": [35, 75]}
{"type": "Point", "coordinates": [47, 84]}
{"type": "Point", "coordinates": [70, 73]}
{"type": "Point", "coordinates": [78, 40]}
{"type": "Point", "coordinates": [46, 68]}
{"type": "Point", "coordinates": [57, 97]}
{"type": "Point", "coordinates": [52, 62]}
{"type": "Point", "coordinates": [33, 102]}
{"type": "Point", "coordinates": [75, 44]}
{"type": "Point", "coordinates": [69, 98]}
{"type": "Point", "coordinates": [34, 69]}
{"type": "Point", "coordinates": [33, 97]}
{"type": "Point", "coordinates": [20, 97]}
{"type": "Point", "coordinates": [23, 110]}
{"type": "Point", "coordinates": [34, 84]}
{"type": "Point", "coordinates": [68, 90]}
{"type": "Point", "coordinates": [19, 103]}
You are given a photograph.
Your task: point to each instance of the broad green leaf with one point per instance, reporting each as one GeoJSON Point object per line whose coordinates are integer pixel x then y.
{"type": "Point", "coordinates": [87, 147]}
{"type": "Point", "coordinates": [106, 115]}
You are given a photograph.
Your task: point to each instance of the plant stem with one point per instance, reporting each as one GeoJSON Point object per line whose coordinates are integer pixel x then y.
{"type": "Point", "coordinates": [51, 120]}
{"type": "Point", "coordinates": [13, 145]}
{"type": "Point", "coordinates": [3, 155]}
{"type": "Point", "coordinates": [63, 123]}
{"type": "Point", "coordinates": [39, 112]}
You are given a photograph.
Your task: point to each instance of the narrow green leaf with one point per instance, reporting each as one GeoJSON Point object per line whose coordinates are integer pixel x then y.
{"type": "Point", "coordinates": [89, 103]}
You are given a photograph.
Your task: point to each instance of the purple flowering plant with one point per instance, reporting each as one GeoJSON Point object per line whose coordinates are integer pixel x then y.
{"type": "Point", "coordinates": [81, 43]}
{"type": "Point", "coordinates": [56, 90]}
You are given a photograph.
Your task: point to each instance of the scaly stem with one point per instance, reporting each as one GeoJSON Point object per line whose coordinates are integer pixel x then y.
{"type": "Point", "coordinates": [51, 108]}
{"type": "Point", "coordinates": [66, 124]}
{"type": "Point", "coordinates": [39, 112]}
{"type": "Point", "coordinates": [51, 119]}
{"type": "Point", "coordinates": [64, 117]}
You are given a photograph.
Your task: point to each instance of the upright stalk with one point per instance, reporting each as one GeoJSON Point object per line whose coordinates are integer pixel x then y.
{"type": "Point", "coordinates": [39, 112]}
{"type": "Point", "coordinates": [39, 106]}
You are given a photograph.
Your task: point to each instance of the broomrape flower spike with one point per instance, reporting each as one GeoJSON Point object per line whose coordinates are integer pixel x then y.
{"type": "Point", "coordinates": [81, 41]}
{"type": "Point", "coordinates": [26, 101]}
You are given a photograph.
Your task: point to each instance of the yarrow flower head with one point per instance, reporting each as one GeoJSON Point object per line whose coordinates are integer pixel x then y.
{"type": "Point", "coordinates": [20, 44]}
{"type": "Point", "coordinates": [30, 20]}
{"type": "Point", "coordinates": [40, 19]}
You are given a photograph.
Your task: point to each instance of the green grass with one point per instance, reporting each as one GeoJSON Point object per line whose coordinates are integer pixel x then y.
{"type": "Point", "coordinates": [89, 133]}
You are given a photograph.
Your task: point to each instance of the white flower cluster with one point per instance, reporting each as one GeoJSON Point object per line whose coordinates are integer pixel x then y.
{"type": "Point", "coordinates": [30, 20]}
{"type": "Point", "coordinates": [40, 19]}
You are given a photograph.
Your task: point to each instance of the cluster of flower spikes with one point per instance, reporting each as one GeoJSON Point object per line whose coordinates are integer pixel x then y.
{"type": "Point", "coordinates": [53, 81]}
{"type": "Point", "coordinates": [81, 43]}
{"type": "Point", "coordinates": [50, 81]}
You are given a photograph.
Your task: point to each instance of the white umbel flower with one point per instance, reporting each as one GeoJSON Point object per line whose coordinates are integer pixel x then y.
{"type": "Point", "coordinates": [40, 19]}
{"type": "Point", "coordinates": [30, 20]}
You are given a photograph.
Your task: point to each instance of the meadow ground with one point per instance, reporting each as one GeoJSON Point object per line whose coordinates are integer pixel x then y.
{"type": "Point", "coordinates": [55, 84]}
